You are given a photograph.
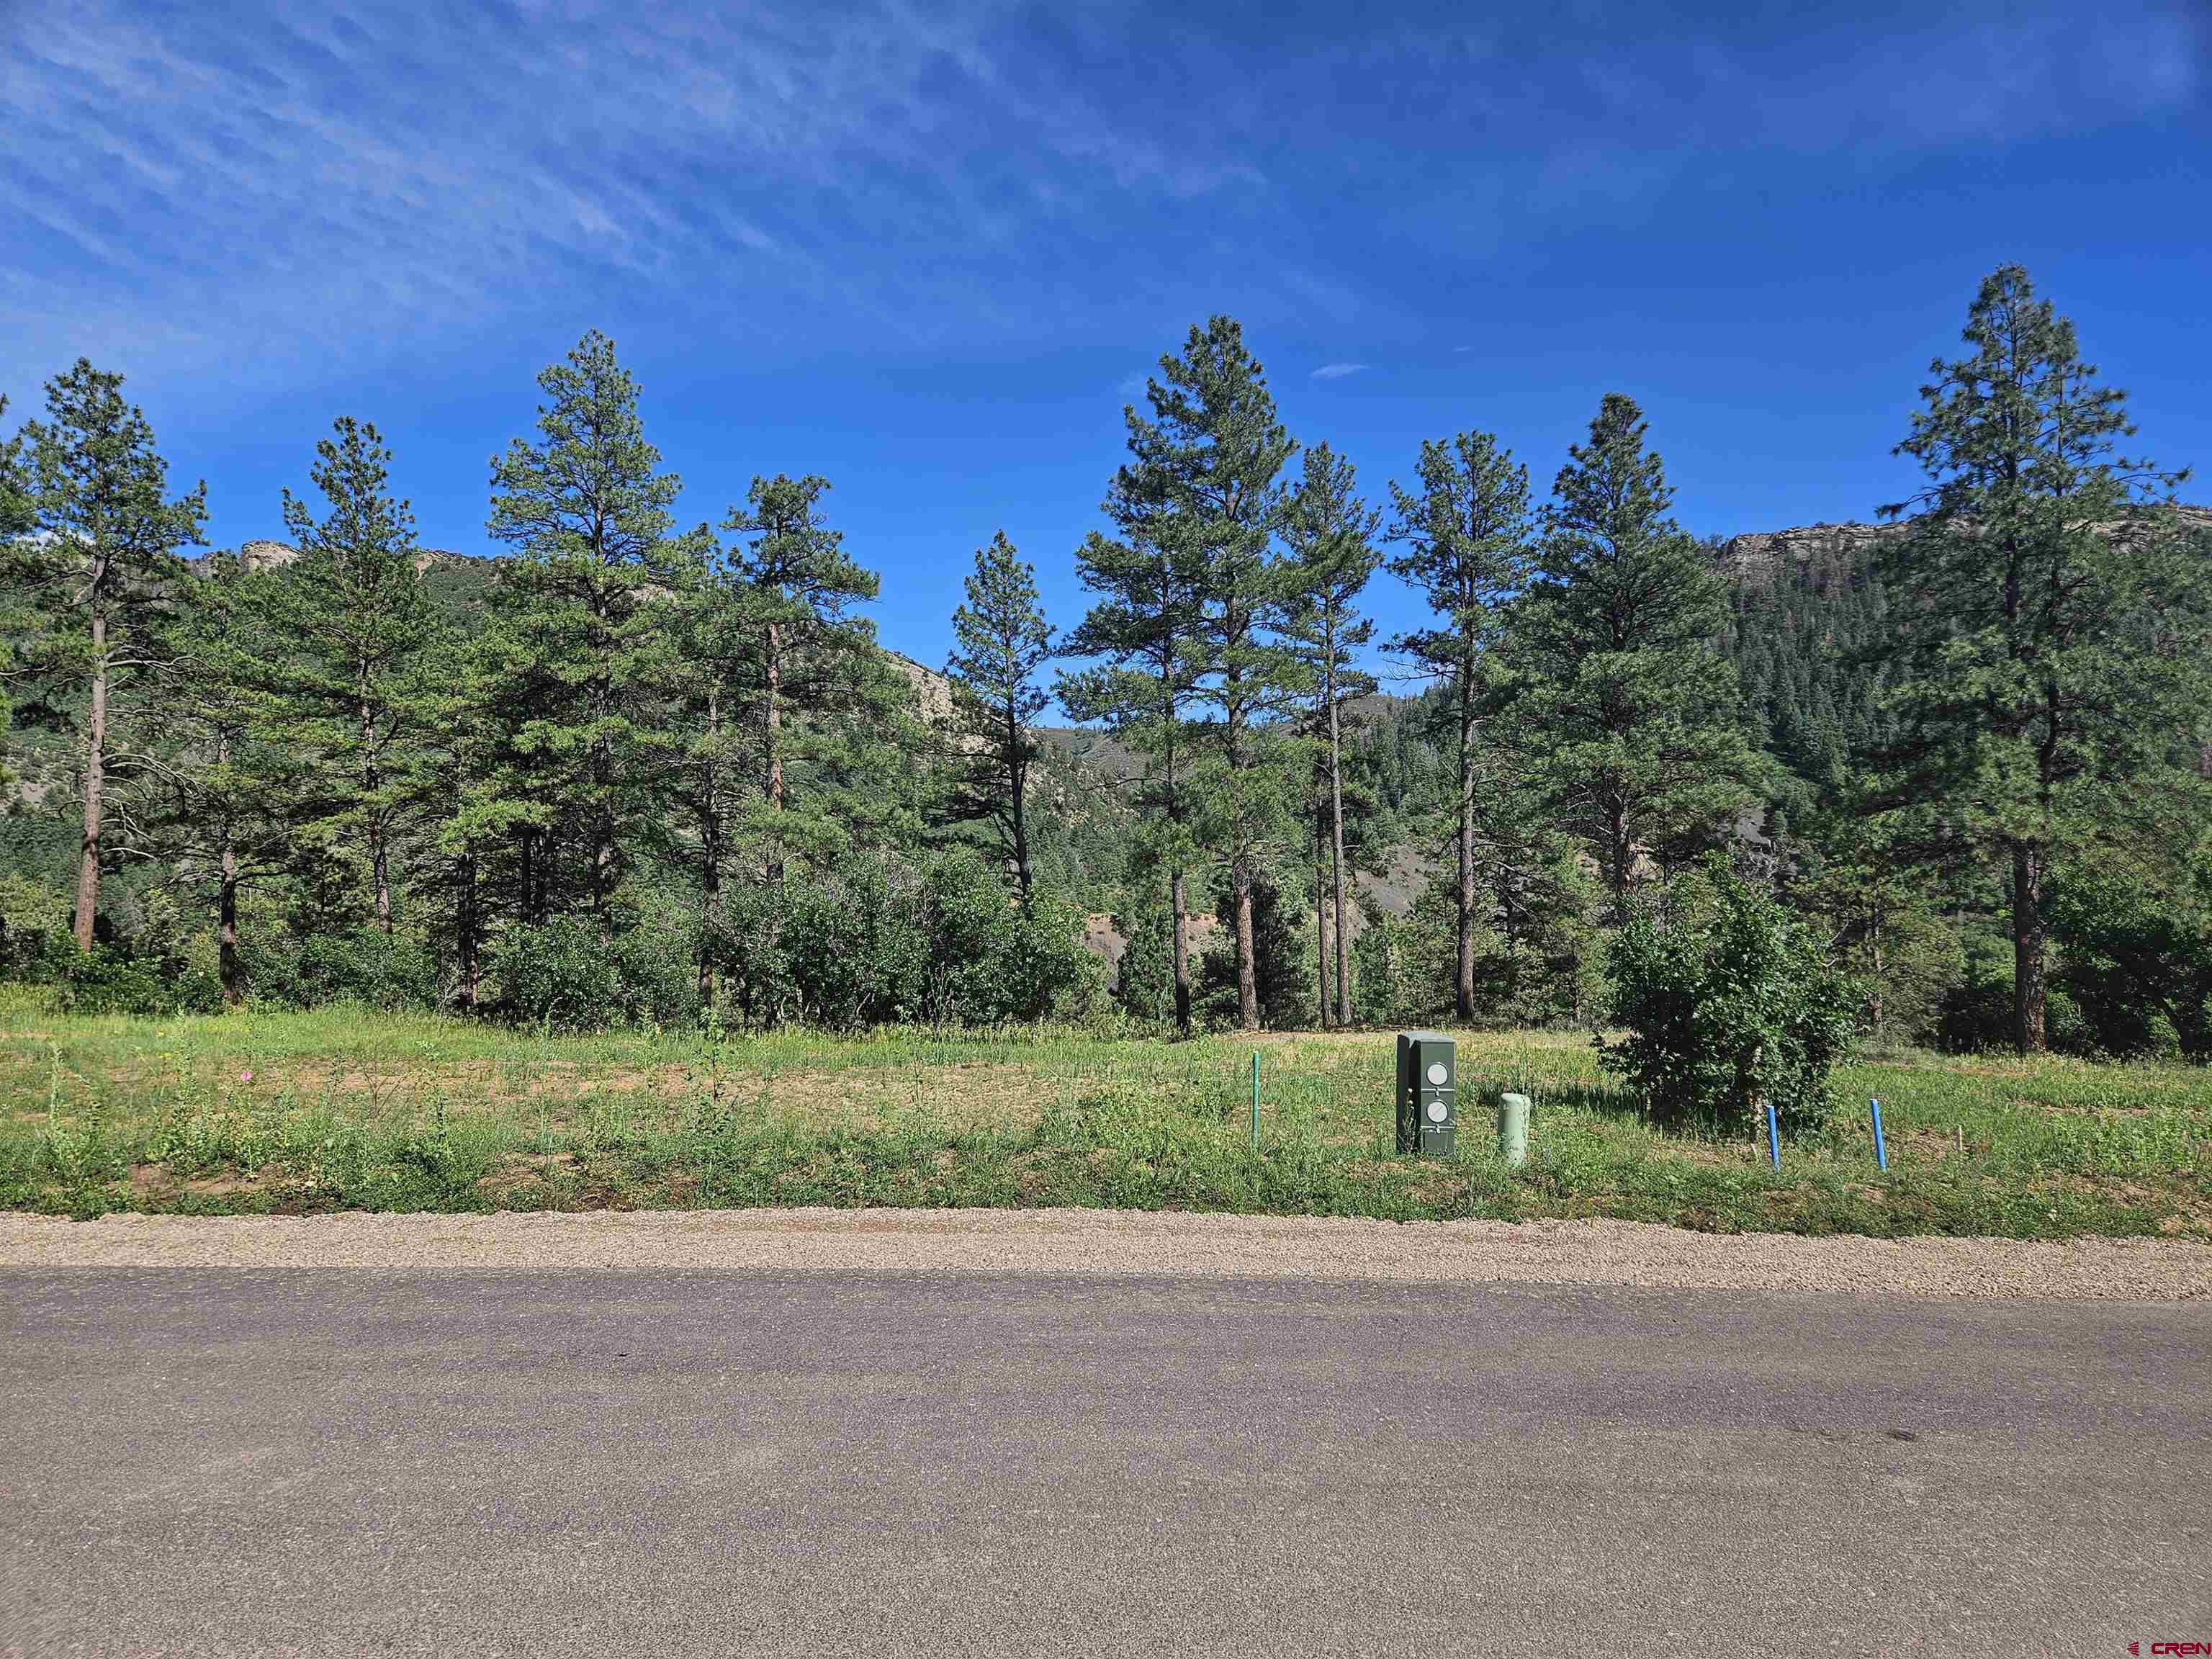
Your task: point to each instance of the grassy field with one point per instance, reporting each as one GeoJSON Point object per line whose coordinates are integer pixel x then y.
{"type": "Point", "coordinates": [346, 1108]}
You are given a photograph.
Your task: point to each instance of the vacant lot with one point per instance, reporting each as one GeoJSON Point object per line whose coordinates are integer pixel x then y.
{"type": "Point", "coordinates": [347, 1108]}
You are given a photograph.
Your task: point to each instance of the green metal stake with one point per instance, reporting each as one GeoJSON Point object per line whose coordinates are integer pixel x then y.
{"type": "Point", "coordinates": [1256, 1100]}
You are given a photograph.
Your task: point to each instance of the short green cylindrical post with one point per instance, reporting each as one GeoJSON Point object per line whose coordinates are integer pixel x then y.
{"type": "Point", "coordinates": [1513, 1130]}
{"type": "Point", "coordinates": [1256, 1100]}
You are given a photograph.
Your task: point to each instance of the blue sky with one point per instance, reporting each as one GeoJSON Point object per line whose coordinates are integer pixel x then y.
{"type": "Point", "coordinates": [929, 251]}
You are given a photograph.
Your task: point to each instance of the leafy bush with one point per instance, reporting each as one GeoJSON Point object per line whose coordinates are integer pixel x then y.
{"type": "Point", "coordinates": [867, 942]}
{"type": "Point", "coordinates": [1144, 980]}
{"type": "Point", "coordinates": [1977, 1013]}
{"type": "Point", "coordinates": [2136, 961]}
{"type": "Point", "coordinates": [1283, 956]}
{"type": "Point", "coordinates": [656, 962]}
{"type": "Point", "coordinates": [35, 930]}
{"type": "Point", "coordinates": [1730, 1003]}
{"type": "Point", "coordinates": [559, 975]}
{"type": "Point", "coordinates": [854, 957]}
{"type": "Point", "coordinates": [361, 965]}
{"type": "Point", "coordinates": [111, 981]}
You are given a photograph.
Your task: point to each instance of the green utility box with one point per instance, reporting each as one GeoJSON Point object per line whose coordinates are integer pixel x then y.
{"type": "Point", "coordinates": [1428, 1093]}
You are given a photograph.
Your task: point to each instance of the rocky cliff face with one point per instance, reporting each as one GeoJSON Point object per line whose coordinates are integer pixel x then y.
{"type": "Point", "coordinates": [1760, 557]}
{"type": "Point", "coordinates": [264, 555]}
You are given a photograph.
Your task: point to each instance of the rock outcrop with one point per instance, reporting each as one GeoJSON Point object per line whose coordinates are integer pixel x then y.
{"type": "Point", "coordinates": [1758, 557]}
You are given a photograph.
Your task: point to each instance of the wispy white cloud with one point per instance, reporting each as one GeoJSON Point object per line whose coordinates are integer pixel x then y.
{"type": "Point", "coordinates": [1336, 371]}
{"type": "Point", "coordinates": [234, 183]}
{"type": "Point", "coordinates": [386, 169]}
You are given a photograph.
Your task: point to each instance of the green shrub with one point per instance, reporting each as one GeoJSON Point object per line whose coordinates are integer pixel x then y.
{"type": "Point", "coordinates": [1282, 956]}
{"type": "Point", "coordinates": [35, 943]}
{"type": "Point", "coordinates": [111, 981]}
{"type": "Point", "coordinates": [1144, 980]}
{"type": "Point", "coordinates": [1977, 1013]}
{"type": "Point", "coordinates": [1729, 1002]}
{"type": "Point", "coordinates": [2135, 960]}
{"type": "Point", "coordinates": [362, 964]}
{"type": "Point", "coordinates": [656, 961]}
{"type": "Point", "coordinates": [559, 975]}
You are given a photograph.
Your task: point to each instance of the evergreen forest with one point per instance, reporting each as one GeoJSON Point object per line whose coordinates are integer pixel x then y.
{"type": "Point", "coordinates": [633, 771]}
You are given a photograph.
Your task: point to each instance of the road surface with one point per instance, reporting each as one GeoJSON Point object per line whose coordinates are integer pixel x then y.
{"type": "Point", "coordinates": [233, 1460]}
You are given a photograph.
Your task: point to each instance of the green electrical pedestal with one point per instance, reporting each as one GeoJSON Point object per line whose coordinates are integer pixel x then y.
{"type": "Point", "coordinates": [1428, 1093]}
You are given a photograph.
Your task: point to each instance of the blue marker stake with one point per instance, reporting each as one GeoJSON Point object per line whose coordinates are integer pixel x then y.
{"type": "Point", "coordinates": [1773, 1137]}
{"type": "Point", "coordinates": [1881, 1151]}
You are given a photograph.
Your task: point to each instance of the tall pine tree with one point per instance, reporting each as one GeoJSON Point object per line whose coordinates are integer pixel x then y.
{"type": "Point", "coordinates": [357, 621]}
{"type": "Point", "coordinates": [103, 571]}
{"type": "Point", "coordinates": [223, 811]}
{"type": "Point", "coordinates": [1001, 640]}
{"type": "Point", "coordinates": [800, 588]}
{"type": "Point", "coordinates": [1466, 533]}
{"type": "Point", "coordinates": [1203, 477]}
{"type": "Point", "coordinates": [1330, 533]}
{"type": "Point", "coordinates": [2048, 630]}
{"type": "Point", "coordinates": [586, 509]}
{"type": "Point", "coordinates": [1141, 634]}
{"type": "Point", "coordinates": [1636, 709]}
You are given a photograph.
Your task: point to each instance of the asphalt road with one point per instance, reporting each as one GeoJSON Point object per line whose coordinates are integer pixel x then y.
{"type": "Point", "coordinates": [326, 1461]}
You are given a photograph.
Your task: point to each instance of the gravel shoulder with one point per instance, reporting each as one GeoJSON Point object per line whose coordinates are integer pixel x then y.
{"type": "Point", "coordinates": [1102, 1243]}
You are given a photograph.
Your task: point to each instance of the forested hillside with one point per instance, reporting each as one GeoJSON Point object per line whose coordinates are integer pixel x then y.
{"type": "Point", "coordinates": [636, 770]}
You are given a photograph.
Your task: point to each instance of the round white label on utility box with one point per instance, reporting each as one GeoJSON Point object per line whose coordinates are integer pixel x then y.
{"type": "Point", "coordinates": [1437, 1072]}
{"type": "Point", "coordinates": [1436, 1111]}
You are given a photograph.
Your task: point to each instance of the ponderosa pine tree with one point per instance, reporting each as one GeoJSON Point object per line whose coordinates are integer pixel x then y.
{"type": "Point", "coordinates": [1330, 533]}
{"type": "Point", "coordinates": [1625, 689]}
{"type": "Point", "coordinates": [717, 714]}
{"type": "Point", "coordinates": [2048, 617]}
{"type": "Point", "coordinates": [19, 617]}
{"type": "Point", "coordinates": [356, 620]}
{"type": "Point", "coordinates": [1142, 635]}
{"type": "Point", "coordinates": [586, 509]}
{"type": "Point", "coordinates": [799, 586]}
{"type": "Point", "coordinates": [470, 807]}
{"type": "Point", "coordinates": [103, 571]}
{"type": "Point", "coordinates": [1203, 475]}
{"type": "Point", "coordinates": [1001, 640]}
{"type": "Point", "coordinates": [223, 811]}
{"type": "Point", "coordinates": [1466, 533]}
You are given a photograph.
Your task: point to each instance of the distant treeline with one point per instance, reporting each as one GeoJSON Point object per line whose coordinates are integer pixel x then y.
{"type": "Point", "coordinates": [652, 773]}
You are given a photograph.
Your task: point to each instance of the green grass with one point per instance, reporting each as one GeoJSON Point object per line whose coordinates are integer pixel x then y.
{"type": "Point", "coordinates": [344, 1109]}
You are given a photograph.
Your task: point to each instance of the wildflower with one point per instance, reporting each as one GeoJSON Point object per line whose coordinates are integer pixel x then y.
{"type": "Point", "coordinates": [246, 1077]}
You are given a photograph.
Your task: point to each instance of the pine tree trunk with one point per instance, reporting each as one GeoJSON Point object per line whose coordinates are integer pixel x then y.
{"type": "Point", "coordinates": [1240, 866]}
{"type": "Point", "coordinates": [95, 757]}
{"type": "Point", "coordinates": [1015, 780]}
{"type": "Point", "coordinates": [2028, 947]}
{"type": "Point", "coordinates": [773, 720]}
{"type": "Point", "coordinates": [465, 930]}
{"type": "Point", "coordinates": [1321, 928]}
{"type": "Point", "coordinates": [1336, 858]}
{"type": "Point", "coordinates": [711, 878]}
{"type": "Point", "coordinates": [1181, 955]}
{"type": "Point", "coordinates": [1621, 855]}
{"type": "Point", "coordinates": [376, 849]}
{"type": "Point", "coordinates": [1178, 894]}
{"type": "Point", "coordinates": [226, 926]}
{"type": "Point", "coordinates": [525, 875]}
{"type": "Point", "coordinates": [1463, 984]}
{"type": "Point", "coordinates": [710, 852]}
{"type": "Point", "coordinates": [1247, 979]}
{"type": "Point", "coordinates": [603, 766]}
{"type": "Point", "coordinates": [1875, 1010]}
